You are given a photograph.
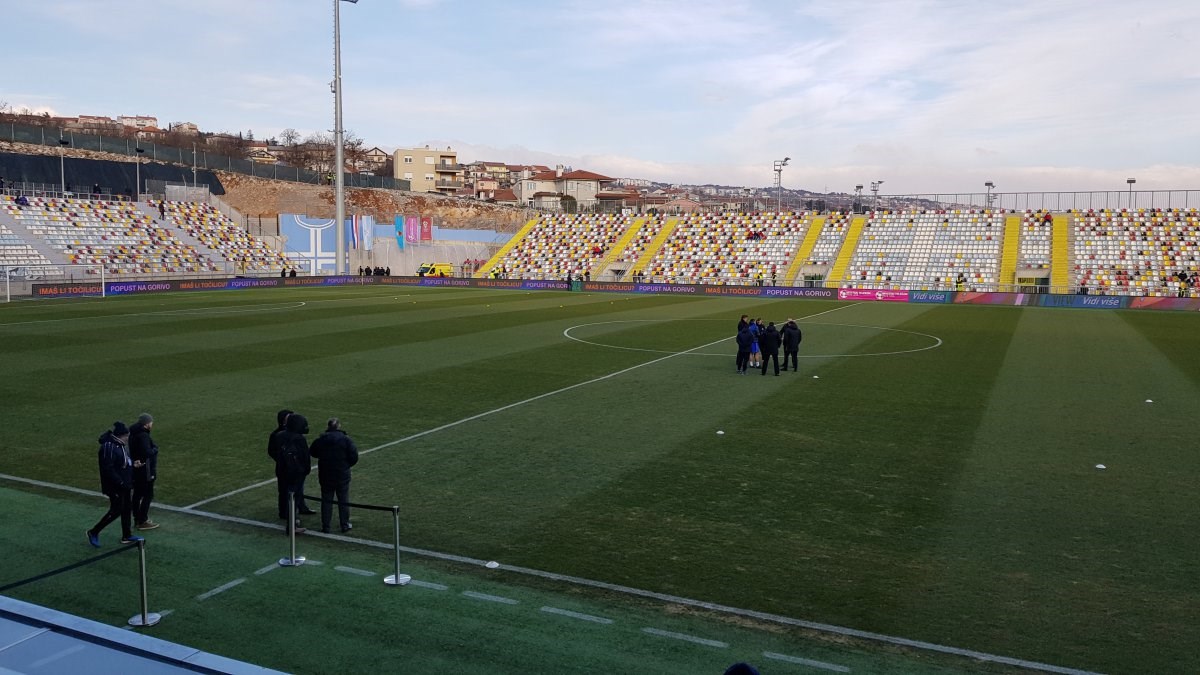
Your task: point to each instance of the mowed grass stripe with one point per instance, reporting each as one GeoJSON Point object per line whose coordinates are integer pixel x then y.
{"type": "Point", "coordinates": [1104, 539]}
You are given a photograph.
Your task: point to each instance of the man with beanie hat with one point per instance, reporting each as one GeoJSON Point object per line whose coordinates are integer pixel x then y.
{"type": "Point", "coordinates": [296, 461]}
{"type": "Point", "coordinates": [144, 453]}
{"type": "Point", "coordinates": [116, 480]}
{"type": "Point", "coordinates": [275, 452]}
{"type": "Point", "coordinates": [335, 453]}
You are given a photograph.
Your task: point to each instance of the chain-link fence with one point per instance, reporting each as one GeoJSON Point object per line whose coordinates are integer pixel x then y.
{"type": "Point", "coordinates": [197, 156]}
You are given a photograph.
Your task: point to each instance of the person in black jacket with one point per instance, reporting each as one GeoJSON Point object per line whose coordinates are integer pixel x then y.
{"type": "Point", "coordinates": [335, 453]}
{"type": "Point", "coordinates": [768, 344]}
{"type": "Point", "coordinates": [116, 481]}
{"type": "Point", "coordinates": [144, 453]}
{"type": "Point", "coordinates": [297, 463]}
{"type": "Point", "coordinates": [275, 452]}
{"type": "Point", "coordinates": [745, 340]}
{"type": "Point", "coordinates": [791, 344]}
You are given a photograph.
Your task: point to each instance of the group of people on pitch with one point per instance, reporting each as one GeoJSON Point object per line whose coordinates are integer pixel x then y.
{"type": "Point", "coordinates": [128, 462]}
{"type": "Point", "coordinates": [758, 344]}
{"type": "Point", "coordinates": [335, 453]}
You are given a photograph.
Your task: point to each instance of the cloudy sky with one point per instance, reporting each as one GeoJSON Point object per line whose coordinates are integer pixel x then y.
{"type": "Point", "coordinates": [925, 95]}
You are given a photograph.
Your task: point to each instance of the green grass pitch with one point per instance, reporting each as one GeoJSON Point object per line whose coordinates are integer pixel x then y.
{"type": "Point", "coordinates": [936, 480]}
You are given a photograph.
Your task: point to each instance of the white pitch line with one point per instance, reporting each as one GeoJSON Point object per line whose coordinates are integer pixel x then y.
{"type": "Point", "coordinates": [510, 406]}
{"type": "Point", "coordinates": [220, 589]}
{"type": "Point", "coordinates": [806, 662]}
{"type": "Point", "coordinates": [491, 598]}
{"type": "Point", "coordinates": [354, 570]}
{"type": "Point", "coordinates": [266, 569]}
{"type": "Point", "coordinates": [576, 615]}
{"type": "Point", "coordinates": [686, 638]}
{"type": "Point", "coordinates": [430, 585]}
{"type": "Point", "coordinates": [614, 588]}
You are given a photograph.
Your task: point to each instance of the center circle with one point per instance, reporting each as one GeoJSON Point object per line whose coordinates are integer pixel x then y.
{"type": "Point", "coordinates": [935, 341]}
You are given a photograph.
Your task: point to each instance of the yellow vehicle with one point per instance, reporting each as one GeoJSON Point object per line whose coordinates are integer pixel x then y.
{"type": "Point", "coordinates": [435, 270]}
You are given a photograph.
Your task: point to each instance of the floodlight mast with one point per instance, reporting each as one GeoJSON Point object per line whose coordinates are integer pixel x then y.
{"type": "Point", "coordinates": [339, 190]}
{"type": "Point", "coordinates": [779, 164]}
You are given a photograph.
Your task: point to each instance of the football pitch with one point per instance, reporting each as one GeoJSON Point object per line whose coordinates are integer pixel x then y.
{"type": "Point", "coordinates": [930, 473]}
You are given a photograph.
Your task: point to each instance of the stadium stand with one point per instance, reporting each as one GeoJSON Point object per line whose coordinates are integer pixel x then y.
{"type": "Point", "coordinates": [562, 244]}
{"type": "Point", "coordinates": [216, 231]}
{"type": "Point", "coordinates": [117, 235]}
{"type": "Point", "coordinates": [1137, 252]}
{"type": "Point", "coordinates": [713, 248]}
{"type": "Point", "coordinates": [923, 250]}
{"type": "Point", "coordinates": [631, 253]}
{"type": "Point", "coordinates": [1036, 228]}
{"type": "Point", "coordinates": [830, 240]}
{"type": "Point", "coordinates": [16, 252]}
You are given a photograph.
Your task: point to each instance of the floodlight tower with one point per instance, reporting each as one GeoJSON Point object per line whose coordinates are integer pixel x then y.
{"type": "Point", "coordinates": [990, 186]}
{"type": "Point", "coordinates": [339, 189]}
{"type": "Point", "coordinates": [1131, 181]}
{"type": "Point", "coordinates": [875, 191]}
{"type": "Point", "coordinates": [779, 164]}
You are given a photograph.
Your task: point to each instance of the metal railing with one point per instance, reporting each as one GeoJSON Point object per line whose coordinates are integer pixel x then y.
{"type": "Point", "coordinates": [1042, 201]}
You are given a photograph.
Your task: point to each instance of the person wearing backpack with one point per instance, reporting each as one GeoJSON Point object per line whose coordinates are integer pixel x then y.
{"type": "Point", "coordinates": [116, 482]}
{"type": "Point", "coordinates": [297, 462]}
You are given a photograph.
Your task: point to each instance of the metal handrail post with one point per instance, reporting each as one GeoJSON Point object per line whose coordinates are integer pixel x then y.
{"type": "Point", "coordinates": [397, 579]}
{"type": "Point", "coordinates": [294, 560]}
{"type": "Point", "coordinates": [146, 618]}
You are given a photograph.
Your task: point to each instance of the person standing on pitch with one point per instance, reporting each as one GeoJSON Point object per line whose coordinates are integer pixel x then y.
{"type": "Point", "coordinates": [144, 453]}
{"type": "Point", "coordinates": [297, 462]}
{"type": "Point", "coordinates": [791, 344]}
{"type": "Point", "coordinates": [116, 481]}
{"type": "Point", "coordinates": [275, 452]}
{"type": "Point", "coordinates": [768, 344]}
{"type": "Point", "coordinates": [744, 341]}
{"type": "Point", "coordinates": [335, 453]}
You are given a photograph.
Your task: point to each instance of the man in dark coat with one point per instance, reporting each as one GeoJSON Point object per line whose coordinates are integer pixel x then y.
{"type": "Point", "coordinates": [791, 344]}
{"type": "Point", "coordinates": [768, 344]}
{"type": "Point", "coordinates": [745, 340]}
{"type": "Point", "coordinates": [275, 452]}
{"type": "Point", "coordinates": [116, 481]}
{"type": "Point", "coordinates": [297, 463]}
{"type": "Point", "coordinates": [144, 453]}
{"type": "Point", "coordinates": [335, 453]}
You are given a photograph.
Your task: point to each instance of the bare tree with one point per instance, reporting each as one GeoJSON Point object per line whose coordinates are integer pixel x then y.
{"type": "Point", "coordinates": [289, 136]}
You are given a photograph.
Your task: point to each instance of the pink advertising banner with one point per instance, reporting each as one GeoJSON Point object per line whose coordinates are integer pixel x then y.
{"type": "Point", "coordinates": [412, 229]}
{"type": "Point", "coordinates": [867, 294]}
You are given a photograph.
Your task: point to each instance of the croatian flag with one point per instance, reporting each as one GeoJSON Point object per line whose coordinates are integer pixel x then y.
{"type": "Point", "coordinates": [354, 232]}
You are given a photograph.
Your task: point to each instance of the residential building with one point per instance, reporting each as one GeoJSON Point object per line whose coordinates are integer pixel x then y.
{"type": "Point", "coordinates": [373, 159]}
{"type": "Point", "coordinates": [189, 128]}
{"type": "Point", "coordinates": [428, 169]}
{"type": "Point", "coordinates": [557, 189]}
{"type": "Point", "coordinates": [138, 121]}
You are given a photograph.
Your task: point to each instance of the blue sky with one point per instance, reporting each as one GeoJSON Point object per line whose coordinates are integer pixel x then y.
{"type": "Point", "coordinates": [926, 95]}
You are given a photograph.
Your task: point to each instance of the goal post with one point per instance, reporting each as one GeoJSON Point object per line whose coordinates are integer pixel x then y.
{"type": "Point", "coordinates": [33, 281]}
